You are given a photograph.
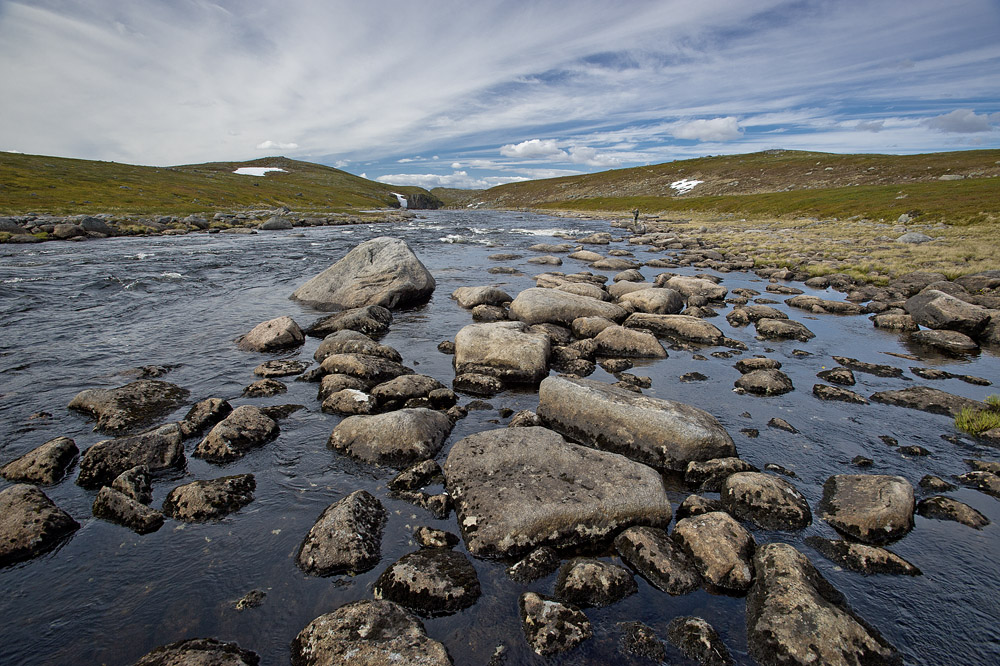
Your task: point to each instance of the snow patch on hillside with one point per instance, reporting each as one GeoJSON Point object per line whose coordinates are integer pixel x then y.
{"type": "Point", "coordinates": [685, 185]}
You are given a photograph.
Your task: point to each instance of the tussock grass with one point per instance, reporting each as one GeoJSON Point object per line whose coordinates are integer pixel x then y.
{"type": "Point", "coordinates": [977, 421]}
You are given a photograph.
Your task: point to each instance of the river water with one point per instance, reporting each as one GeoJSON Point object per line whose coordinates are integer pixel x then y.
{"type": "Point", "coordinates": [82, 315]}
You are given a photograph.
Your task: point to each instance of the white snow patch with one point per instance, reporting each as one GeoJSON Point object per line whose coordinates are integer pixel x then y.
{"type": "Point", "coordinates": [257, 171]}
{"type": "Point", "coordinates": [685, 185]}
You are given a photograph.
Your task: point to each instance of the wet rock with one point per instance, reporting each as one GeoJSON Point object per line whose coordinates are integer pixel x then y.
{"type": "Point", "coordinates": [864, 559]}
{"type": "Point", "coordinates": [198, 652]}
{"type": "Point", "coordinates": [367, 632]}
{"type": "Point", "coordinates": [841, 376]}
{"type": "Point", "coordinates": [30, 524]}
{"type": "Point", "coordinates": [746, 314]}
{"type": "Point", "coordinates": [127, 409]}
{"type": "Point", "coordinates": [983, 465]}
{"type": "Point", "coordinates": [658, 559]}
{"type": "Point", "coordinates": [935, 484]}
{"type": "Point", "coordinates": [280, 368]}
{"type": "Point", "coordinates": [698, 640]}
{"type": "Point", "coordinates": [693, 377]}
{"type": "Point", "coordinates": [430, 582]}
{"type": "Point", "coordinates": [782, 329]}
{"type": "Point", "coordinates": [264, 388]}
{"type": "Point", "coordinates": [913, 450]}
{"type": "Point", "coordinates": [748, 365]}
{"type": "Point", "coordinates": [693, 286]}
{"type": "Point", "coordinates": [722, 550]}
{"type": "Point", "coordinates": [766, 501]}
{"type": "Point", "coordinates": [367, 320]}
{"type": "Point", "coordinates": [986, 482]}
{"type": "Point", "coordinates": [117, 507]}
{"type": "Point", "coordinates": [537, 564]}
{"type": "Point", "coordinates": [782, 424]}
{"type": "Point", "coordinates": [204, 415]}
{"type": "Point", "coordinates": [372, 370]}
{"type": "Point", "coordinates": [641, 640]}
{"type": "Point", "coordinates": [952, 342]}
{"type": "Point", "coordinates": [765, 382]}
{"type": "Point", "coordinates": [938, 310]}
{"type": "Point", "coordinates": [505, 350]}
{"type": "Point", "coordinates": [346, 538]}
{"type": "Point", "coordinates": [395, 392]}
{"type": "Point", "coordinates": [252, 599]}
{"type": "Point", "coordinates": [664, 434]}
{"type": "Point", "coordinates": [517, 488]}
{"type": "Point", "coordinates": [438, 505]}
{"type": "Point", "coordinates": [682, 328]}
{"type": "Point", "coordinates": [475, 383]}
{"type": "Point", "coordinates": [45, 465]}
{"type": "Point", "coordinates": [524, 419]}
{"type": "Point", "coordinates": [695, 505]}
{"type": "Point", "coordinates": [428, 537]}
{"type": "Point", "coordinates": [352, 342]}
{"type": "Point", "coordinates": [273, 335]}
{"type": "Point", "coordinates": [160, 449]}
{"type": "Point", "coordinates": [946, 508]}
{"type": "Point", "coordinates": [470, 297]}
{"type": "Point", "coordinates": [551, 627]}
{"type": "Point", "coordinates": [824, 392]}
{"type": "Point", "coordinates": [822, 306]}
{"type": "Point", "coordinates": [619, 341]}
{"type": "Point", "coordinates": [348, 402]}
{"type": "Point", "coordinates": [416, 476]}
{"type": "Point", "coordinates": [244, 429]}
{"type": "Point", "coordinates": [135, 483]}
{"type": "Point", "coordinates": [654, 301]}
{"type": "Point", "coordinates": [207, 500]}
{"type": "Point", "coordinates": [382, 271]}
{"type": "Point", "coordinates": [927, 399]}
{"type": "Point", "coordinates": [937, 373]}
{"type": "Point", "coordinates": [538, 305]}
{"type": "Point", "coordinates": [794, 616]}
{"type": "Point", "coordinates": [333, 383]}
{"type": "Point", "coordinates": [871, 508]}
{"type": "Point", "coordinates": [397, 439]}
{"type": "Point", "coordinates": [708, 475]}
{"type": "Point", "coordinates": [589, 327]}
{"type": "Point", "coordinates": [547, 260]}
{"type": "Point", "coordinates": [892, 321]}
{"type": "Point", "coordinates": [585, 581]}
{"type": "Point", "coordinates": [862, 461]}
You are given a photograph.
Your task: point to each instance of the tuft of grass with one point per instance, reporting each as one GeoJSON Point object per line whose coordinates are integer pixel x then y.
{"type": "Point", "coordinates": [977, 421]}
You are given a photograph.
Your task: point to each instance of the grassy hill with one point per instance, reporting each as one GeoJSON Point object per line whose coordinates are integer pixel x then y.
{"type": "Point", "coordinates": [40, 184]}
{"type": "Point", "coordinates": [783, 183]}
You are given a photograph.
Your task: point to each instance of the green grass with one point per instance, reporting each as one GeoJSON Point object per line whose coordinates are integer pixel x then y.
{"type": "Point", "coordinates": [61, 186]}
{"type": "Point", "coordinates": [977, 421]}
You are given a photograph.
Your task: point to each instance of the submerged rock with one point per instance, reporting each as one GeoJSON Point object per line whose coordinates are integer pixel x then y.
{"type": "Point", "coordinates": [871, 508]}
{"type": "Point", "coordinates": [664, 434]}
{"type": "Point", "coordinates": [397, 439]}
{"type": "Point", "coordinates": [659, 559]}
{"type": "Point", "coordinates": [158, 450]}
{"type": "Point", "coordinates": [585, 581]}
{"type": "Point", "coordinates": [381, 271]}
{"type": "Point", "coordinates": [430, 582]}
{"type": "Point", "coordinates": [247, 427]}
{"type": "Point", "coordinates": [537, 564]}
{"type": "Point", "coordinates": [518, 488]}
{"type": "Point", "coordinates": [794, 616]}
{"type": "Point", "coordinates": [207, 500]}
{"type": "Point", "coordinates": [273, 335]}
{"type": "Point", "coordinates": [862, 558]}
{"type": "Point", "coordinates": [877, 369]}
{"type": "Point", "coordinates": [946, 508]}
{"type": "Point", "coordinates": [367, 632]}
{"type": "Point", "coordinates": [722, 550]}
{"type": "Point", "coordinates": [824, 392]}
{"type": "Point", "coordinates": [30, 523]}
{"type": "Point", "coordinates": [199, 652]}
{"type": "Point", "coordinates": [44, 465]}
{"type": "Point", "coordinates": [550, 626]}
{"type": "Point", "coordinates": [127, 409]}
{"type": "Point", "coordinates": [927, 399]}
{"type": "Point", "coordinates": [698, 640]}
{"type": "Point", "coordinates": [346, 538]}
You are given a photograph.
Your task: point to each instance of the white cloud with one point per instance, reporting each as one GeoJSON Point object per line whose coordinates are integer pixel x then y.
{"type": "Point", "coordinates": [590, 157]}
{"type": "Point", "coordinates": [458, 179]}
{"type": "Point", "coordinates": [870, 125]}
{"type": "Point", "coordinates": [276, 145]}
{"type": "Point", "coordinates": [534, 149]}
{"type": "Point", "coordinates": [713, 129]}
{"type": "Point", "coordinates": [965, 121]}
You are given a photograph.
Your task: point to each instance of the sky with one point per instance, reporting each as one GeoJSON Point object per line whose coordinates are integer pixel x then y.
{"type": "Point", "coordinates": [476, 94]}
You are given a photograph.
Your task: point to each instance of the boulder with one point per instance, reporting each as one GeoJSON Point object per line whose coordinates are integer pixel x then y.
{"type": "Point", "coordinates": [537, 564]}
{"type": "Point", "coordinates": [877, 369]}
{"type": "Point", "coordinates": [842, 376]}
{"type": "Point", "coordinates": [939, 507]}
{"type": "Point", "coordinates": [586, 581]}
{"type": "Point", "coordinates": [273, 335]}
{"type": "Point", "coordinates": [893, 321]}
{"type": "Point", "coordinates": [586, 255]}
{"type": "Point", "coordinates": [550, 626]}
{"type": "Point", "coordinates": [615, 264]}
{"type": "Point", "coordinates": [708, 475]}
{"type": "Point", "coordinates": [135, 483]}
{"type": "Point", "coordinates": [280, 368]}
{"type": "Point", "coordinates": [765, 382]}
{"type": "Point", "coordinates": [748, 365]}
{"type": "Point", "coordinates": [475, 383]}
{"type": "Point", "coordinates": [618, 290]}
{"type": "Point", "coordinates": [794, 616]}
{"type": "Point", "coordinates": [428, 537]}
{"type": "Point", "coordinates": [247, 427]}
{"type": "Point", "coordinates": [546, 260]}
{"type": "Point", "coordinates": [664, 434]}
{"type": "Point", "coordinates": [346, 538]}
{"type": "Point", "coordinates": [658, 559]}
{"type": "Point", "coordinates": [584, 289]}
{"type": "Point", "coordinates": [746, 314]}
{"type": "Point", "coordinates": [367, 320]}
{"type": "Point", "coordinates": [822, 306]}
{"type": "Point", "coordinates": [783, 329]}
{"type": "Point", "coordinates": [130, 408]}
{"type": "Point", "coordinates": [871, 508]}
{"type": "Point", "coordinates": [264, 388]}
{"type": "Point", "coordinates": [348, 402]}
{"type": "Point", "coordinates": [158, 450]}
{"type": "Point", "coordinates": [824, 392]}
{"type": "Point", "coordinates": [938, 310]}
{"type": "Point", "coordinates": [65, 231]}
{"type": "Point", "coordinates": [862, 558]}
{"type": "Point", "coordinates": [695, 505]}
{"type": "Point", "coordinates": [654, 301]}
{"type": "Point", "coordinates": [698, 640]}
{"type": "Point", "coordinates": [505, 350]}
{"type": "Point", "coordinates": [203, 415]}
{"type": "Point", "coordinates": [470, 297]}
{"type": "Point", "coordinates": [589, 327]}
{"type": "Point", "coordinates": [367, 632]}
{"type": "Point", "coordinates": [397, 439]}
{"type": "Point", "coordinates": [722, 550]}
{"type": "Point", "coordinates": [693, 286]}
{"type": "Point", "coordinates": [927, 399]}
{"type": "Point", "coordinates": [430, 582]}
{"type": "Point", "coordinates": [538, 305]}
{"type": "Point", "coordinates": [347, 341]}
{"type": "Point", "coordinates": [199, 652]}
{"type": "Point", "coordinates": [44, 465]}
{"type": "Point", "coordinates": [641, 640]}
{"type": "Point", "coordinates": [117, 507]}
{"type": "Point", "coordinates": [416, 476]}
{"type": "Point", "coordinates": [518, 488]}
{"type": "Point", "coordinates": [30, 523]}
{"type": "Point", "coordinates": [199, 501]}
{"type": "Point", "coordinates": [276, 223]}
{"type": "Point", "coordinates": [394, 393]}
{"type": "Point", "coordinates": [985, 482]}
{"type": "Point", "coordinates": [371, 370]}
{"type": "Point", "coordinates": [767, 501]}
{"type": "Point", "coordinates": [618, 341]}
{"type": "Point", "coordinates": [382, 271]}
{"type": "Point", "coordinates": [684, 328]}
{"type": "Point", "coordinates": [952, 342]}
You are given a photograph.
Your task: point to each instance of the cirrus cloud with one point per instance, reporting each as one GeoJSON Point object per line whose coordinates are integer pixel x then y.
{"type": "Point", "coordinates": [712, 129]}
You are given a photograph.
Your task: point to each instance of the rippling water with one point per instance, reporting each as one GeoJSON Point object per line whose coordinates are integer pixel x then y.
{"type": "Point", "coordinates": [81, 315]}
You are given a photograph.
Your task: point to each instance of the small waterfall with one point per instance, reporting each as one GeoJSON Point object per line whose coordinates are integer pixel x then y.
{"type": "Point", "coordinates": [401, 198]}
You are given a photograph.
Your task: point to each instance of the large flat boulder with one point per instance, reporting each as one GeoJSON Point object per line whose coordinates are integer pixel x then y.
{"type": "Point", "coordinates": [538, 306]}
{"type": "Point", "coordinates": [30, 523]}
{"type": "Point", "coordinates": [871, 508]}
{"type": "Point", "coordinates": [518, 488]}
{"type": "Point", "coordinates": [654, 300]}
{"type": "Point", "coordinates": [794, 616]}
{"type": "Point", "coordinates": [46, 464]}
{"type": "Point", "coordinates": [505, 350]}
{"type": "Point", "coordinates": [130, 408]}
{"type": "Point", "coordinates": [677, 327]}
{"type": "Point", "coordinates": [382, 271]}
{"type": "Point", "coordinates": [398, 438]}
{"type": "Point", "coordinates": [160, 449]}
{"type": "Point", "coordinates": [935, 309]}
{"type": "Point", "coordinates": [664, 434]}
{"type": "Point", "coordinates": [927, 399]}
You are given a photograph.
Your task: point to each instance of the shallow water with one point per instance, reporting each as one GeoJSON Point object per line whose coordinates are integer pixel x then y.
{"type": "Point", "coordinates": [81, 315]}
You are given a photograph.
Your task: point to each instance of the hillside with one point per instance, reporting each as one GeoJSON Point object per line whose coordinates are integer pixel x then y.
{"type": "Point", "coordinates": [954, 187]}
{"type": "Point", "coordinates": [61, 186]}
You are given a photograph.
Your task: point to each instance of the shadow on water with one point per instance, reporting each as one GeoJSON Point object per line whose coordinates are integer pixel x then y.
{"type": "Point", "coordinates": [77, 315]}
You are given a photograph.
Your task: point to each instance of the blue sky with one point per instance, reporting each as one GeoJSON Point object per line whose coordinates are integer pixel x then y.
{"type": "Point", "coordinates": [475, 94]}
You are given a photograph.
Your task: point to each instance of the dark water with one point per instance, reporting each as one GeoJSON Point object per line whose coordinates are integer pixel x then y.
{"type": "Point", "coordinates": [80, 315]}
